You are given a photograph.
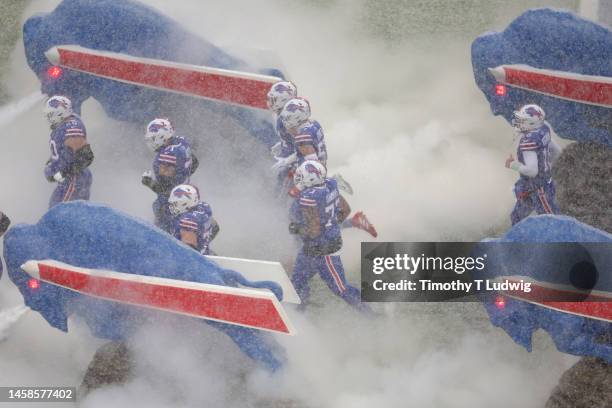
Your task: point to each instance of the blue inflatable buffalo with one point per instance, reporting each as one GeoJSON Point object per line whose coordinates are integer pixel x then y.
{"type": "Point", "coordinates": [581, 259]}
{"type": "Point", "coordinates": [126, 26]}
{"type": "Point", "coordinates": [554, 40]}
{"type": "Point", "coordinates": [96, 236]}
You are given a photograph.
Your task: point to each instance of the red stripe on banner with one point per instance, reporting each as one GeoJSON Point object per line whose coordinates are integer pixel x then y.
{"type": "Point", "coordinates": [226, 307]}
{"type": "Point", "coordinates": [575, 89]}
{"type": "Point", "coordinates": [587, 305]}
{"type": "Point", "coordinates": [150, 73]}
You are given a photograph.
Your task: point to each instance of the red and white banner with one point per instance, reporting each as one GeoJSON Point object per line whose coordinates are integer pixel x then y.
{"type": "Point", "coordinates": [255, 270]}
{"type": "Point", "coordinates": [240, 306]}
{"type": "Point", "coordinates": [235, 87]}
{"type": "Point", "coordinates": [588, 89]}
{"type": "Point", "coordinates": [592, 304]}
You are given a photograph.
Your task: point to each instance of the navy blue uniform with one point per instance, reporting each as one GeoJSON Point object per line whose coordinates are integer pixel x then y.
{"type": "Point", "coordinates": [285, 176]}
{"type": "Point", "coordinates": [178, 155]}
{"type": "Point", "coordinates": [535, 193]}
{"type": "Point", "coordinates": [320, 254]}
{"type": "Point", "coordinates": [310, 134]}
{"type": "Point", "coordinates": [75, 186]}
{"type": "Point", "coordinates": [198, 220]}
{"type": "Point", "coordinates": [286, 140]}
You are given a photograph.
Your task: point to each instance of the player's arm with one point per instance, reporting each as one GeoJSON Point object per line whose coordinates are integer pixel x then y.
{"type": "Point", "coordinates": [305, 145]}
{"type": "Point", "coordinates": [82, 154]}
{"type": "Point", "coordinates": [4, 223]}
{"type": "Point", "coordinates": [195, 163]}
{"type": "Point", "coordinates": [165, 180]}
{"type": "Point", "coordinates": [214, 229]}
{"type": "Point", "coordinates": [189, 237]}
{"type": "Point", "coordinates": [529, 169]}
{"type": "Point", "coordinates": [166, 170]}
{"type": "Point", "coordinates": [312, 222]}
{"type": "Point", "coordinates": [344, 210]}
{"type": "Point", "coordinates": [308, 152]}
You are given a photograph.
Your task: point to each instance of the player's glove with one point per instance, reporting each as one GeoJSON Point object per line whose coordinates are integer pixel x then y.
{"type": "Point", "coordinates": [58, 177]}
{"type": "Point", "coordinates": [295, 228]}
{"type": "Point", "coordinates": [284, 162]}
{"type": "Point", "coordinates": [277, 149]}
{"type": "Point", "coordinates": [147, 179]}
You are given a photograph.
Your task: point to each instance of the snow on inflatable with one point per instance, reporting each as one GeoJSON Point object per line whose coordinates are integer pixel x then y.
{"type": "Point", "coordinates": [554, 59]}
{"type": "Point", "coordinates": [109, 268]}
{"type": "Point", "coordinates": [135, 30]}
{"type": "Point", "coordinates": [571, 290]}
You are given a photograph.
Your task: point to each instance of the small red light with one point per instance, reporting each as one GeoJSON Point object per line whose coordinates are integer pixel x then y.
{"type": "Point", "coordinates": [500, 302]}
{"type": "Point", "coordinates": [54, 72]}
{"type": "Point", "coordinates": [33, 283]}
{"type": "Point", "coordinates": [500, 90]}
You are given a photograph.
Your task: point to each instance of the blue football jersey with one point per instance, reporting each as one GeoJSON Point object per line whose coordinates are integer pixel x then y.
{"type": "Point", "coordinates": [311, 134]}
{"type": "Point", "coordinates": [62, 157]}
{"type": "Point", "coordinates": [326, 199]}
{"type": "Point", "coordinates": [178, 155]}
{"type": "Point", "coordinates": [287, 146]}
{"type": "Point", "coordinates": [199, 220]}
{"type": "Point", "coordinates": [536, 141]}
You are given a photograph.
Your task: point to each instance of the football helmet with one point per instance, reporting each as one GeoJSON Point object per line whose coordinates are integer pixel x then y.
{"type": "Point", "coordinates": [528, 118]}
{"type": "Point", "coordinates": [159, 131]}
{"type": "Point", "coordinates": [295, 112]}
{"type": "Point", "coordinates": [279, 94]}
{"type": "Point", "coordinates": [182, 198]}
{"type": "Point", "coordinates": [308, 174]}
{"type": "Point", "coordinates": [57, 108]}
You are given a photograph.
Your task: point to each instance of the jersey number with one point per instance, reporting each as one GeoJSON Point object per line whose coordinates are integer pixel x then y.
{"type": "Point", "coordinates": [53, 146]}
{"type": "Point", "coordinates": [330, 212]}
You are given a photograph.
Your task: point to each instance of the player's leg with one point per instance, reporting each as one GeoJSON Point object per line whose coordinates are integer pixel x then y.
{"type": "Point", "coordinates": [545, 203]}
{"type": "Point", "coordinates": [303, 271]}
{"type": "Point", "coordinates": [61, 190]}
{"type": "Point", "coordinates": [82, 186]}
{"type": "Point", "coordinates": [360, 220]}
{"type": "Point", "coordinates": [523, 207]}
{"type": "Point", "coordinates": [331, 271]}
{"type": "Point", "coordinates": [284, 182]}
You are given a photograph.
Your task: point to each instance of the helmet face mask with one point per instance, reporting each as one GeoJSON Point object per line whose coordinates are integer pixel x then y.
{"type": "Point", "coordinates": [57, 109]}
{"type": "Point", "coordinates": [309, 174]}
{"type": "Point", "coordinates": [159, 132]}
{"type": "Point", "coordinates": [279, 94]}
{"type": "Point", "coordinates": [182, 198]}
{"type": "Point", "coordinates": [528, 118]}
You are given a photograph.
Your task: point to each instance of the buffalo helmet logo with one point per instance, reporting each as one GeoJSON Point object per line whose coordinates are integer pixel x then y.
{"type": "Point", "coordinates": [294, 107]}
{"type": "Point", "coordinates": [180, 193]}
{"type": "Point", "coordinates": [312, 169]}
{"type": "Point", "coordinates": [56, 103]}
{"type": "Point", "coordinates": [155, 127]}
{"type": "Point", "coordinates": [532, 111]}
{"type": "Point", "coordinates": [281, 88]}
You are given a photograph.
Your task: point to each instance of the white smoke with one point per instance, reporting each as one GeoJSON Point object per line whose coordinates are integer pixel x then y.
{"type": "Point", "coordinates": [8, 318]}
{"type": "Point", "coordinates": [408, 128]}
